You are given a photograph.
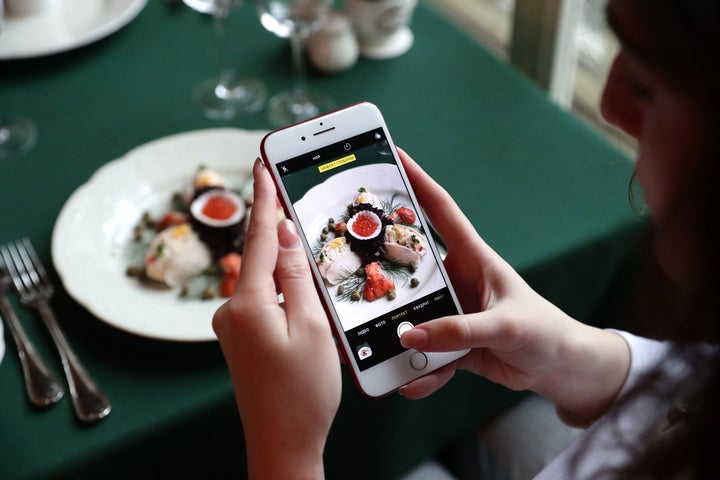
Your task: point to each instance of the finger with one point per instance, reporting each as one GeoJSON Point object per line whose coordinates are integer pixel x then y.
{"type": "Point", "coordinates": [424, 386]}
{"type": "Point", "coordinates": [441, 209]}
{"type": "Point", "coordinates": [459, 332]}
{"type": "Point", "coordinates": [260, 249]}
{"type": "Point", "coordinates": [293, 275]}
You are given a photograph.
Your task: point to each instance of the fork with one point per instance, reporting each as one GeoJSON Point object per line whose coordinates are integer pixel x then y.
{"type": "Point", "coordinates": [35, 289]}
{"type": "Point", "coordinates": [42, 388]}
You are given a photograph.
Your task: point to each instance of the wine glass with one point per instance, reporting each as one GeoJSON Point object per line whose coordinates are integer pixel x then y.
{"type": "Point", "coordinates": [295, 19]}
{"type": "Point", "coordinates": [17, 135]}
{"type": "Point", "coordinates": [227, 96]}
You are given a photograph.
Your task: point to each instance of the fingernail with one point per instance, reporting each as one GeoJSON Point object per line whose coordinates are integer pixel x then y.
{"type": "Point", "coordinates": [416, 338]}
{"type": "Point", "coordinates": [258, 165]}
{"type": "Point", "coordinates": [287, 234]}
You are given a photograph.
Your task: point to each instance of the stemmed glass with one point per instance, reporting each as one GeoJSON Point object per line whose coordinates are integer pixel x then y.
{"type": "Point", "coordinates": [295, 19]}
{"type": "Point", "coordinates": [17, 135]}
{"type": "Point", "coordinates": [227, 96]}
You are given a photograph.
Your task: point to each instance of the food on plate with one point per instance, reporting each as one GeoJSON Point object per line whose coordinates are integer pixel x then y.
{"type": "Point", "coordinates": [175, 255]}
{"type": "Point", "coordinates": [205, 177]}
{"type": "Point", "coordinates": [230, 267]}
{"type": "Point", "coordinates": [197, 243]}
{"type": "Point", "coordinates": [403, 215]}
{"type": "Point", "coordinates": [404, 245]}
{"type": "Point", "coordinates": [217, 215]}
{"type": "Point", "coordinates": [377, 285]}
{"type": "Point", "coordinates": [366, 197]}
{"type": "Point", "coordinates": [172, 218]}
{"type": "Point", "coordinates": [336, 261]}
{"type": "Point", "coordinates": [368, 253]}
{"type": "Point", "coordinates": [364, 225]}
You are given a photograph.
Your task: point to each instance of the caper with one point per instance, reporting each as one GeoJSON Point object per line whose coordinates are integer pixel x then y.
{"type": "Point", "coordinates": [138, 233]}
{"type": "Point", "coordinates": [414, 282]}
{"type": "Point", "coordinates": [331, 221]}
{"type": "Point", "coordinates": [355, 296]}
{"type": "Point", "coordinates": [391, 295]}
{"type": "Point", "coordinates": [133, 271]}
{"type": "Point", "coordinates": [325, 230]}
{"type": "Point", "coordinates": [360, 272]}
{"type": "Point", "coordinates": [184, 291]}
{"type": "Point", "coordinates": [208, 293]}
{"type": "Point", "coordinates": [323, 236]}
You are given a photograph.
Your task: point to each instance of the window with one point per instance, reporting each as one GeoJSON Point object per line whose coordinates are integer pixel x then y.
{"type": "Point", "coordinates": [580, 59]}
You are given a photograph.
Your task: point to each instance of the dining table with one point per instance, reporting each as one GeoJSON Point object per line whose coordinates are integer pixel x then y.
{"type": "Point", "coordinates": [543, 188]}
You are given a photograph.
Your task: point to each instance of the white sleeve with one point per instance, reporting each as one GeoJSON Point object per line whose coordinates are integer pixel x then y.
{"type": "Point", "coordinates": [603, 445]}
{"type": "Point", "coordinates": [645, 355]}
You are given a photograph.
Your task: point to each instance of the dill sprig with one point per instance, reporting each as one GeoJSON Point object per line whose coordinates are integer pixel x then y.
{"type": "Point", "coordinates": [388, 205]}
{"type": "Point", "coordinates": [351, 282]}
{"type": "Point", "coordinates": [316, 248]}
{"type": "Point", "coordinates": [399, 273]}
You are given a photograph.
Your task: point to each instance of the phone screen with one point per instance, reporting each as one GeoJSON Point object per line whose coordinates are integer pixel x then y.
{"type": "Point", "coordinates": [368, 241]}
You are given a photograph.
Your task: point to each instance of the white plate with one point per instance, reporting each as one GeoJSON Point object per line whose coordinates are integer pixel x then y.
{"type": "Point", "coordinates": [64, 25]}
{"type": "Point", "coordinates": [330, 199]}
{"type": "Point", "coordinates": [94, 230]}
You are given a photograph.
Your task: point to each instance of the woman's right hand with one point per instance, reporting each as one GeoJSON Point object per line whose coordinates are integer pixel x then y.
{"type": "Point", "coordinates": [516, 337]}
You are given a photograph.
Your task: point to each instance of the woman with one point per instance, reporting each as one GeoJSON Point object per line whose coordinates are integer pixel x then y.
{"type": "Point", "coordinates": [667, 98]}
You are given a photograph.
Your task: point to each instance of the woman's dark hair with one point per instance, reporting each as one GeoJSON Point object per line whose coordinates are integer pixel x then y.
{"type": "Point", "coordinates": [680, 40]}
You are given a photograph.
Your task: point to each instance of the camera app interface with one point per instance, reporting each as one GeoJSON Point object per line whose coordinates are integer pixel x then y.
{"type": "Point", "coordinates": [369, 246]}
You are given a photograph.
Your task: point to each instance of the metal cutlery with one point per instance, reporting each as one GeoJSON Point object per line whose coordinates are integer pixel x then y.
{"type": "Point", "coordinates": [42, 387]}
{"type": "Point", "coordinates": [35, 290]}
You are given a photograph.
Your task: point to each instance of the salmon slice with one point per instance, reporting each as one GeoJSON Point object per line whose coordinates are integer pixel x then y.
{"type": "Point", "coordinates": [376, 284]}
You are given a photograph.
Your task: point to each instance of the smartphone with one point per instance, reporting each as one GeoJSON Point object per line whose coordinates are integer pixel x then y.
{"type": "Point", "coordinates": [376, 266]}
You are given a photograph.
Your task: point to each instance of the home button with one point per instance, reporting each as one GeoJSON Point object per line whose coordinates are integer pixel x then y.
{"type": "Point", "coordinates": [418, 360]}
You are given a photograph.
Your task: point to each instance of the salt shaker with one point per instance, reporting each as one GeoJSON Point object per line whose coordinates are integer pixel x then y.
{"type": "Point", "coordinates": [334, 47]}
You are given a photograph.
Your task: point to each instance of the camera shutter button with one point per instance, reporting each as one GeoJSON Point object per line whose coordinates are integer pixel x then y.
{"type": "Point", "coordinates": [404, 327]}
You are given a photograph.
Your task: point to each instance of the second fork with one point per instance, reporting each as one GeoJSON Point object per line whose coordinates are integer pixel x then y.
{"type": "Point", "coordinates": [35, 290]}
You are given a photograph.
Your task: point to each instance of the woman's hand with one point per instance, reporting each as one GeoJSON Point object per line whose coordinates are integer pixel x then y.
{"type": "Point", "coordinates": [282, 359]}
{"type": "Point", "coordinates": [516, 337]}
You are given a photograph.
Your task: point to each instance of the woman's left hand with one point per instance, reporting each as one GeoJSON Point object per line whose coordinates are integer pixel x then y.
{"type": "Point", "coordinates": [282, 358]}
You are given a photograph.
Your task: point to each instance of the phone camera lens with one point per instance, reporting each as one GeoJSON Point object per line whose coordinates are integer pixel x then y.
{"type": "Point", "coordinates": [302, 138]}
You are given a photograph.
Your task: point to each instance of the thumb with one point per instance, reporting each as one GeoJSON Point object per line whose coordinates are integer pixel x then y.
{"type": "Point", "coordinates": [292, 271]}
{"type": "Point", "coordinates": [447, 334]}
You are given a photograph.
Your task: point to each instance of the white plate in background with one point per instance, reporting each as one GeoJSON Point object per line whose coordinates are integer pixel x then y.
{"type": "Point", "coordinates": [64, 25]}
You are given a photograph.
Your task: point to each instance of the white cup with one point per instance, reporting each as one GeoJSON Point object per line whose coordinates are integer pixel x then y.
{"type": "Point", "coordinates": [382, 26]}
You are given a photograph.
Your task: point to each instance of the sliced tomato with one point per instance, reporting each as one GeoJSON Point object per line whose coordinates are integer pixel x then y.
{"type": "Point", "coordinates": [171, 219]}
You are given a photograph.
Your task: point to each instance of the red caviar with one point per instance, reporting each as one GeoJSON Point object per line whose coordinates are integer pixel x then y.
{"type": "Point", "coordinates": [364, 225]}
{"type": "Point", "coordinates": [219, 207]}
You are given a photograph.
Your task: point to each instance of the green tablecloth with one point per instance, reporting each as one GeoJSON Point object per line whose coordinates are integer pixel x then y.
{"type": "Point", "coordinates": [544, 190]}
